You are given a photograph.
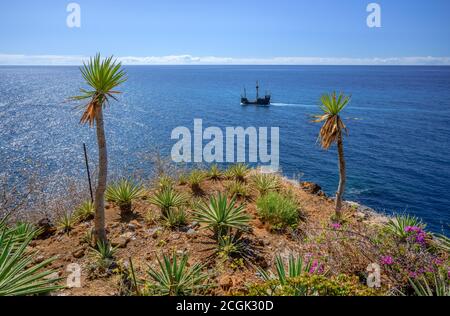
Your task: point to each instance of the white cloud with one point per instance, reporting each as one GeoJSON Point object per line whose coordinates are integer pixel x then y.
{"type": "Point", "coordinates": [9, 59]}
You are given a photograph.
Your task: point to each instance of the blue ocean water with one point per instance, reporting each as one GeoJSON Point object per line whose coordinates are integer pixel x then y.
{"type": "Point", "coordinates": [398, 150]}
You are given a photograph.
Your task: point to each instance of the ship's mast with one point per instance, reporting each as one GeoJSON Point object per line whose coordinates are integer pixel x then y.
{"type": "Point", "coordinates": [257, 90]}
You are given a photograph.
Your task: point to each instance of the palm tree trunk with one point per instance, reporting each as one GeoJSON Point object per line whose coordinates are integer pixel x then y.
{"type": "Point", "coordinates": [342, 178]}
{"type": "Point", "coordinates": [100, 232]}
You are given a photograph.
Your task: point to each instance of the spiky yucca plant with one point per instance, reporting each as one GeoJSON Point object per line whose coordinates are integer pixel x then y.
{"type": "Point", "coordinates": [295, 268]}
{"type": "Point", "coordinates": [399, 224]}
{"type": "Point", "coordinates": [196, 177]}
{"type": "Point", "coordinates": [123, 193]}
{"type": "Point", "coordinates": [265, 183]}
{"type": "Point", "coordinates": [86, 211]}
{"type": "Point", "coordinates": [173, 277]}
{"type": "Point", "coordinates": [437, 286]}
{"type": "Point", "coordinates": [168, 199]}
{"type": "Point", "coordinates": [222, 216]}
{"type": "Point", "coordinates": [175, 218]}
{"type": "Point", "coordinates": [215, 173]}
{"type": "Point", "coordinates": [165, 183]}
{"type": "Point", "coordinates": [66, 222]}
{"type": "Point", "coordinates": [238, 189]}
{"type": "Point", "coordinates": [19, 276]}
{"type": "Point", "coordinates": [238, 172]}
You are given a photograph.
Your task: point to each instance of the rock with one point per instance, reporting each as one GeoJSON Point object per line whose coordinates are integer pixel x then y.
{"type": "Point", "coordinates": [191, 232]}
{"type": "Point", "coordinates": [129, 236]}
{"type": "Point", "coordinates": [134, 225]}
{"type": "Point", "coordinates": [78, 253]}
{"type": "Point", "coordinates": [39, 259]}
{"type": "Point", "coordinates": [120, 242]}
{"type": "Point", "coordinates": [154, 233]}
{"type": "Point", "coordinates": [226, 283]}
{"type": "Point", "coordinates": [361, 216]}
{"type": "Point", "coordinates": [46, 227]}
{"type": "Point", "coordinates": [194, 225]}
{"type": "Point", "coordinates": [311, 188]}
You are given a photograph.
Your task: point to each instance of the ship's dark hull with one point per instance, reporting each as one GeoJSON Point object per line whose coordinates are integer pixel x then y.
{"type": "Point", "coordinates": [259, 101]}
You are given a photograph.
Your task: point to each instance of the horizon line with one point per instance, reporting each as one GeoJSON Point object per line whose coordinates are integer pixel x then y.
{"type": "Point", "coordinates": [186, 60]}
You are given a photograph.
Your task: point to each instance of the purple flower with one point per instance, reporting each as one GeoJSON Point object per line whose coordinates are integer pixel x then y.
{"type": "Point", "coordinates": [387, 260]}
{"type": "Point", "coordinates": [336, 226]}
{"type": "Point", "coordinates": [416, 235]}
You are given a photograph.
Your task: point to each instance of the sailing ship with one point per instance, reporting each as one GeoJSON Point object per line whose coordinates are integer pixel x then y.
{"type": "Point", "coordinates": [259, 101]}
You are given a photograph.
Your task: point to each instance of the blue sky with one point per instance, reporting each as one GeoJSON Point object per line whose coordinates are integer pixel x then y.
{"type": "Point", "coordinates": [219, 31]}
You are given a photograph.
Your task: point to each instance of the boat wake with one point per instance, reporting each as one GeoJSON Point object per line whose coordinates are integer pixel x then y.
{"type": "Point", "coordinates": [293, 105]}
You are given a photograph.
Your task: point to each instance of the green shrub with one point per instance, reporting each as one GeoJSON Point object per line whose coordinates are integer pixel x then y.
{"type": "Point", "coordinates": [398, 225]}
{"type": "Point", "coordinates": [279, 210]}
{"type": "Point", "coordinates": [19, 276]}
{"type": "Point", "coordinates": [168, 199]}
{"type": "Point", "coordinates": [173, 277]}
{"type": "Point", "coordinates": [86, 211]}
{"type": "Point", "coordinates": [123, 193]}
{"type": "Point", "coordinates": [221, 217]}
{"type": "Point", "coordinates": [313, 285]}
{"type": "Point", "coordinates": [265, 183]}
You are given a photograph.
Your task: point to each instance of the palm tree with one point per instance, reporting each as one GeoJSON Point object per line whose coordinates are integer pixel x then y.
{"type": "Point", "coordinates": [332, 132]}
{"type": "Point", "coordinates": [102, 76]}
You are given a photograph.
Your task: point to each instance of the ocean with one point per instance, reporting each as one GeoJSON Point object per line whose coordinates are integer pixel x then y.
{"type": "Point", "coordinates": [397, 151]}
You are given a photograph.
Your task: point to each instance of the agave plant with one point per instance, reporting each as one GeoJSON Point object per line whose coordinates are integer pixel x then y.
{"type": "Point", "coordinates": [265, 183]}
{"type": "Point", "coordinates": [123, 193]}
{"type": "Point", "coordinates": [399, 224]}
{"type": "Point", "coordinates": [174, 278]}
{"type": "Point", "coordinates": [296, 267]}
{"type": "Point", "coordinates": [175, 217]}
{"type": "Point", "coordinates": [196, 177]}
{"type": "Point", "coordinates": [238, 172]}
{"type": "Point", "coordinates": [234, 246]}
{"type": "Point", "coordinates": [86, 211]}
{"type": "Point", "coordinates": [168, 199]}
{"type": "Point", "coordinates": [18, 275]}
{"type": "Point", "coordinates": [104, 253]}
{"type": "Point", "coordinates": [443, 243]}
{"type": "Point", "coordinates": [438, 286]}
{"type": "Point", "coordinates": [238, 189]}
{"type": "Point", "coordinates": [66, 223]}
{"type": "Point", "coordinates": [165, 183]}
{"type": "Point", "coordinates": [221, 217]}
{"type": "Point", "coordinates": [215, 173]}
